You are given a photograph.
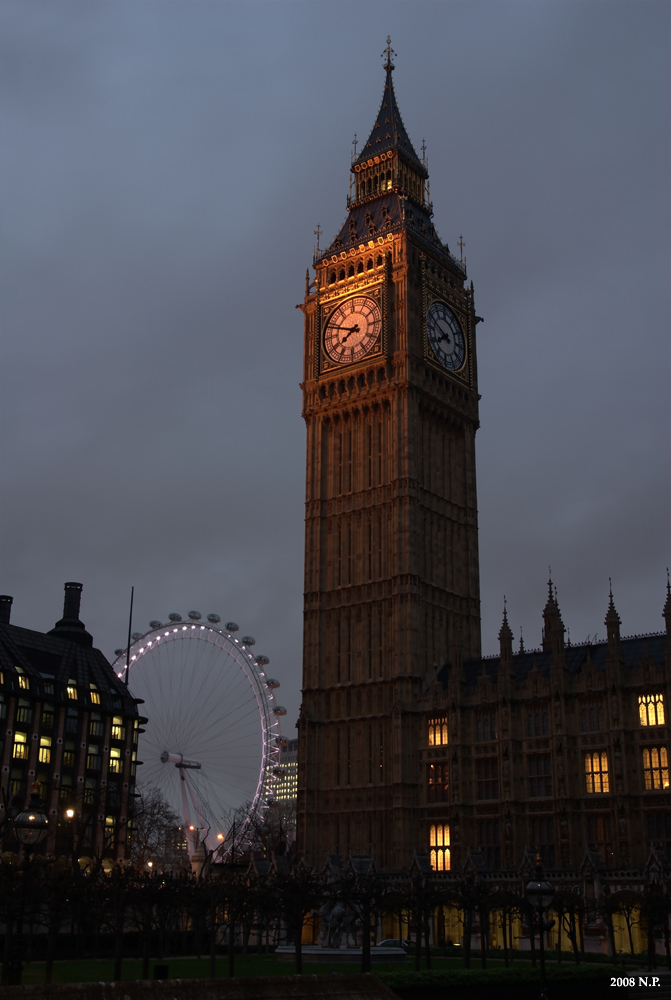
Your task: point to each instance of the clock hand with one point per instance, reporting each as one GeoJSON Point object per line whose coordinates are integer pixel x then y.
{"type": "Point", "coordinates": [352, 329]}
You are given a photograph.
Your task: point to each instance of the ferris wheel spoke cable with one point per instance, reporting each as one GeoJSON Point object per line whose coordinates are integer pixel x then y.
{"type": "Point", "coordinates": [206, 698]}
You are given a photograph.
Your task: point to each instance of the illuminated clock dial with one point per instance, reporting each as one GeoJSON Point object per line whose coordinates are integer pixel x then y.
{"type": "Point", "coordinates": [445, 336]}
{"type": "Point", "coordinates": [352, 330]}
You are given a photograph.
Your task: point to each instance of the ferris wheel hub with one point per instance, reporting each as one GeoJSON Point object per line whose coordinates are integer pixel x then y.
{"type": "Point", "coordinates": [179, 760]}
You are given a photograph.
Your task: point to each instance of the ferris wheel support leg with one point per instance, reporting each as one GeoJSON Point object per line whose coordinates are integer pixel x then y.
{"type": "Point", "coordinates": [186, 814]}
{"type": "Point", "coordinates": [206, 833]}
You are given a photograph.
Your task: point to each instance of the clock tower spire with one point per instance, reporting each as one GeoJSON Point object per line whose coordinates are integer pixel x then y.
{"type": "Point", "coordinates": [391, 559]}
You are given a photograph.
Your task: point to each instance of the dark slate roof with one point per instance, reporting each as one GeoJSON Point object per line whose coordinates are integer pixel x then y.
{"type": "Point", "coordinates": [52, 658]}
{"type": "Point", "coordinates": [389, 132]}
{"type": "Point", "coordinates": [577, 657]}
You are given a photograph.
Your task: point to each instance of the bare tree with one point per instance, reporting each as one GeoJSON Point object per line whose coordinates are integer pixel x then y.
{"type": "Point", "coordinates": [157, 838]}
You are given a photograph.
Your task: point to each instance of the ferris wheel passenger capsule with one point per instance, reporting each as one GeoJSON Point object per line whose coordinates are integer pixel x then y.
{"type": "Point", "coordinates": [261, 660]}
{"type": "Point", "coordinates": [195, 616]}
{"type": "Point", "coordinates": [215, 619]}
{"type": "Point", "coordinates": [282, 741]}
{"type": "Point", "coordinates": [118, 652]}
{"type": "Point", "coordinates": [279, 710]}
{"type": "Point", "coordinates": [174, 617]}
{"type": "Point", "coordinates": [155, 624]}
{"type": "Point", "coordinates": [231, 626]}
{"type": "Point", "coordinates": [272, 683]}
{"type": "Point", "coordinates": [136, 635]}
{"type": "Point", "coordinates": [248, 640]}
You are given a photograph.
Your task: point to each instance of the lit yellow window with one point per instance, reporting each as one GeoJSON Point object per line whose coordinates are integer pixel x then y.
{"type": "Point", "coordinates": [656, 768]}
{"type": "Point", "coordinates": [439, 842]}
{"type": "Point", "coordinates": [651, 709]}
{"type": "Point", "coordinates": [118, 731]}
{"type": "Point", "coordinates": [72, 689]}
{"type": "Point", "coordinates": [20, 751]}
{"type": "Point", "coordinates": [95, 695]}
{"type": "Point", "coordinates": [596, 771]}
{"type": "Point", "coordinates": [437, 732]}
{"type": "Point", "coordinates": [115, 761]}
{"type": "Point", "coordinates": [24, 682]}
{"type": "Point", "coordinates": [45, 749]}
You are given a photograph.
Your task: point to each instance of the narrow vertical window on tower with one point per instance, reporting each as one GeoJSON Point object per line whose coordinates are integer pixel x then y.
{"type": "Point", "coordinates": [487, 777]}
{"type": "Point", "coordinates": [437, 736]}
{"type": "Point", "coordinates": [439, 842]}
{"type": "Point", "coordinates": [485, 727]}
{"type": "Point", "coordinates": [596, 772]}
{"type": "Point", "coordinates": [538, 720]}
{"type": "Point", "coordinates": [337, 758]}
{"type": "Point", "coordinates": [655, 768]}
{"type": "Point", "coordinates": [540, 775]}
{"type": "Point", "coordinates": [490, 842]}
{"type": "Point", "coordinates": [651, 709]}
{"type": "Point", "coordinates": [370, 754]}
{"type": "Point", "coordinates": [438, 782]}
{"type": "Point", "coordinates": [543, 840]}
{"type": "Point", "coordinates": [659, 831]}
{"type": "Point", "coordinates": [600, 836]}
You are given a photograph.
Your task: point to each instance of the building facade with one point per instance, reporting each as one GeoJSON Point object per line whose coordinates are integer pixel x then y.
{"type": "Point", "coordinates": [286, 790]}
{"type": "Point", "coordinates": [561, 750]}
{"type": "Point", "coordinates": [410, 741]}
{"type": "Point", "coordinates": [70, 725]}
{"type": "Point", "coordinates": [391, 574]}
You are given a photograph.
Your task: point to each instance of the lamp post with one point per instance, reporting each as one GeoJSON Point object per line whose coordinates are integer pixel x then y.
{"type": "Point", "coordinates": [30, 829]}
{"type": "Point", "coordinates": [539, 895]}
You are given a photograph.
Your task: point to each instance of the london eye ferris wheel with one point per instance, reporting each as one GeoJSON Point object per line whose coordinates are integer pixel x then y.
{"type": "Point", "coordinates": [211, 742]}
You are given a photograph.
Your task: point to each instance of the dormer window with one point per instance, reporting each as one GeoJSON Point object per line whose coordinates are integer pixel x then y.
{"type": "Point", "coordinates": [72, 689]}
{"type": "Point", "coordinates": [24, 682]}
{"type": "Point", "coordinates": [95, 695]}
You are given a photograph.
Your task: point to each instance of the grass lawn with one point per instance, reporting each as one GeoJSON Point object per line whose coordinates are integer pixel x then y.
{"type": "Point", "coordinates": [90, 970]}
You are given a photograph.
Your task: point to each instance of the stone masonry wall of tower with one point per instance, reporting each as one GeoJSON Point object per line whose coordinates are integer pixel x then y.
{"type": "Point", "coordinates": [391, 559]}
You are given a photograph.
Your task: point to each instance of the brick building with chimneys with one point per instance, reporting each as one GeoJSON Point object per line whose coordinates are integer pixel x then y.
{"type": "Point", "coordinates": [69, 724]}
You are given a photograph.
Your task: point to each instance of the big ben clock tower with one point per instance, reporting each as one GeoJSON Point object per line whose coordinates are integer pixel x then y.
{"type": "Point", "coordinates": [391, 549]}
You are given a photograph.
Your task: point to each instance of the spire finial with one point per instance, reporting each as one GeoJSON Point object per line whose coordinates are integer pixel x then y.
{"type": "Point", "coordinates": [521, 641]}
{"type": "Point", "coordinates": [461, 245]}
{"type": "Point", "coordinates": [388, 52]}
{"type": "Point", "coordinates": [354, 143]}
{"type": "Point", "coordinates": [318, 232]}
{"type": "Point", "coordinates": [668, 582]}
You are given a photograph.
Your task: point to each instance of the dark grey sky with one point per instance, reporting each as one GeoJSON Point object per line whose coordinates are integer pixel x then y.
{"type": "Point", "coordinates": [164, 166]}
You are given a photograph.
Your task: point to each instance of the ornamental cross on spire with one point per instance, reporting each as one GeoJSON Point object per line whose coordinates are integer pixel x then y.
{"type": "Point", "coordinates": [388, 52]}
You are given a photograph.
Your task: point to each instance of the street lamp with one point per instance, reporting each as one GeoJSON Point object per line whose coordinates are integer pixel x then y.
{"type": "Point", "coordinates": [30, 829]}
{"type": "Point", "coordinates": [31, 824]}
{"type": "Point", "coordinates": [539, 895]}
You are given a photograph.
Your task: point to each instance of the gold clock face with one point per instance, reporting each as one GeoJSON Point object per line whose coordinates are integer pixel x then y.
{"type": "Point", "coordinates": [352, 330]}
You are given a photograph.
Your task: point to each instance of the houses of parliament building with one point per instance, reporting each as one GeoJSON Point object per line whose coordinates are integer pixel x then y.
{"type": "Point", "coordinates": [410, 742]}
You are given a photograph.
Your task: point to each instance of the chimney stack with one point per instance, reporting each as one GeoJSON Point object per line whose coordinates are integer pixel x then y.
{"type": "Point", "coordinates": [5, 608]}
{"type": "Point", "coordinates": [73, 597]}
{"type": "Point", "coordinates": [70, 627]}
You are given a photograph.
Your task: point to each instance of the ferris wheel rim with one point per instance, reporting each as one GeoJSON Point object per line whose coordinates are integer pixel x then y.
{"type": "Point", "coordinates": [263, 692]}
